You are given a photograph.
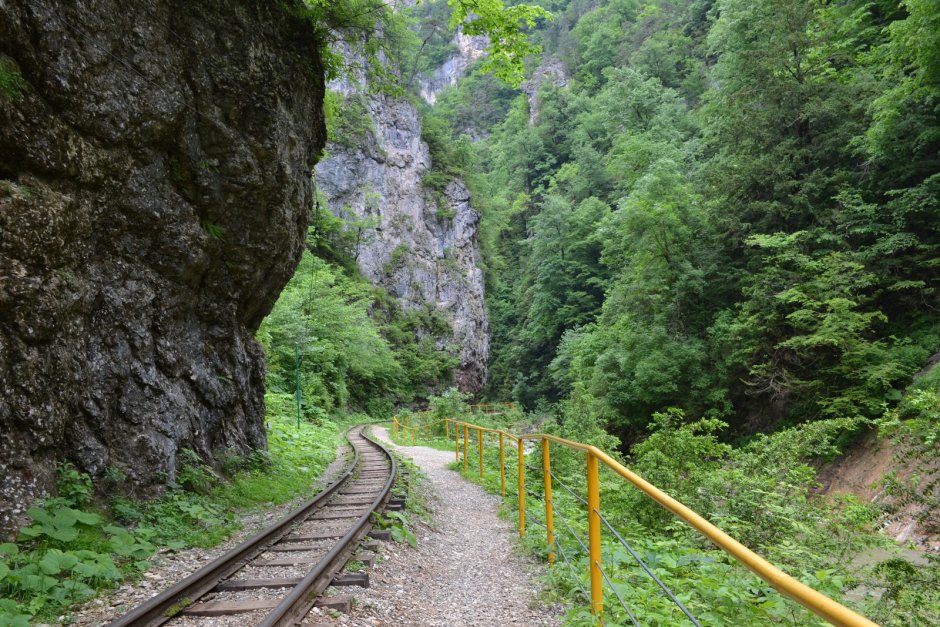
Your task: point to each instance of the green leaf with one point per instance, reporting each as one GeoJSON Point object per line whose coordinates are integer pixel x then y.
{"type": "Point", "coordinates": [55, 562]}
{"type": "Point", "coordinates": [66, 534]}
{"type": "Point", "coordinates": [27, 533]}
{"type": "Point", "coordinates": [38, 583]}
{"type": "Point", "coordinates": [86, 518]}
{"type": "Point", "coordinates": [9, 549]}
{"type": "Point", "coordinates": [14, 620]}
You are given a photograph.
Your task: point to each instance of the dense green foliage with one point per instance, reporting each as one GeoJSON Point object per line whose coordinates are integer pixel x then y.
{"type": "Point", "coordinates": [731, 207]}
{"type": "Point", "coordinates": [379, 32]}
{"type": "Point", "coordinates": [349, 344]}
{"type": "Point", "coordinates": [762, 493]}
{"type": "Point", "coordinates": [715, 243]}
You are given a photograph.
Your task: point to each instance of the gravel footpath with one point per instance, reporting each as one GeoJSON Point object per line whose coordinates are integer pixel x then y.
{"type": "Point", "coordinates": [464, 572]}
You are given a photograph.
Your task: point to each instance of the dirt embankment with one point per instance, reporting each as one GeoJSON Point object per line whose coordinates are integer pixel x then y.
{"type": "Point", "coordinates": [894, 476]}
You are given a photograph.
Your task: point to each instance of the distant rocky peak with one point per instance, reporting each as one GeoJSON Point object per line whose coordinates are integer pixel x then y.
{"type": "Point", "coordinates": [421, 245]}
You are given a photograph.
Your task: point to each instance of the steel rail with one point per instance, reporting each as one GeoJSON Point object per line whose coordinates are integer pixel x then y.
{"type": "Point", "coordinates": [568, 490]}
{"type": "Point", "coordinates": [157, 610]}
{"type": "Point", "coordinates": [587, 552]}
{"type": "Point", "coordinates": [577, 578]}
{"type": "Point", "coordinates": [623, 603]}
{"type": "Point", "coordinates": [636, 557]}
{"type": "Point", "coordinates": [302, 597]}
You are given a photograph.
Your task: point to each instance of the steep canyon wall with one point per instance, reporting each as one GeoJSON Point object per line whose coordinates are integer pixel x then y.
{"type": "Point", "coordinates": [422, 246]}
{"type": "Point", "coordinates": [154, 198]}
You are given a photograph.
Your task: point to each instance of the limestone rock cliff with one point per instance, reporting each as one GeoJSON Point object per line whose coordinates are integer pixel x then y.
{"type": "Point", "coordinates": [469, 49]}
{"type": "Point", "coordinates": [422, 247]}
{"type": "Point", "coordinates": [154, 197]}
{"type": "Point", "coordinates": [551, 70]}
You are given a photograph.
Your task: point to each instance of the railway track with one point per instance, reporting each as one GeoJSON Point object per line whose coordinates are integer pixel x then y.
{"type": "Point", "coordinates": [274, 578]}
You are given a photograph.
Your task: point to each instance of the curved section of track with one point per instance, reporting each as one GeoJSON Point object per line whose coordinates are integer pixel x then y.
{"type": "Point", "coordinates": [274, 578]}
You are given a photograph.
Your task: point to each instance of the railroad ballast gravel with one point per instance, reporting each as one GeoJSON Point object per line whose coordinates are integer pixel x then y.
{"type": "Point", "coordinates": [465, 571]}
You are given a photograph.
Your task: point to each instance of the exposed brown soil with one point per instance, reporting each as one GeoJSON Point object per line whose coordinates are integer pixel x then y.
{"type": "Point", "coordinates": [862, 471]}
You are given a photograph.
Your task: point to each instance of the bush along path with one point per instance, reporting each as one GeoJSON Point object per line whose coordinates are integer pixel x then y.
{"type": "Point", "coordinates": [464, 570]}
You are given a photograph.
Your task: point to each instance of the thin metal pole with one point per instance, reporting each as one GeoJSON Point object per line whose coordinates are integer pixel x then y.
{"type": "Point", "coordinates": [456, 443]}
{"type": "Point", "coordinates": [519, 448]}
{"type": "Point", "coordinates": [480, 447]}
{"type": "Point", "coordinates": [297, 381]}
{"type": "Point", "coordinates": [502, 466]}
{"type": "Point", "coordinates": [594, 535]}
{"type": "Point", "coordinates": [466, 436]}
{"type": "Point", "coordinates": [549, 514]}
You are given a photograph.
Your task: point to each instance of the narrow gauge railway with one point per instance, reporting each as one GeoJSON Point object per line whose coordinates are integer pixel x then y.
{"type": "Point", "coordinates": [275, 577]}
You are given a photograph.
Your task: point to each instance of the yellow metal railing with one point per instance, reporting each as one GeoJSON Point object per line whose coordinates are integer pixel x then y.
{"type": "Point", "coordinates": [809, 598]}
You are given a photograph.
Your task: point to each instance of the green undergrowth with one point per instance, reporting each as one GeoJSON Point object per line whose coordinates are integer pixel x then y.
{"type": "Point", "coordinates": [761, 493]}
{"type": "Point", "coordinates": [78, 545]}
{"type": "Point", "coordinates": [450, 405]}
{"type": "Point", "coordinates": [439, 443]}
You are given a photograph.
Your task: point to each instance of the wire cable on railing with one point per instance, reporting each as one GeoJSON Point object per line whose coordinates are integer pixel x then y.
{"type": "Point", "coordinates": [570, 530]}
{"type": "Point", "coordinates": [649, 572]}
{"type": "Point", "coordinates": [577, 580]}
{"type": "Point", "coordinates": [617, 594]}
{"type": "Point", "coordinates": [568, 490]}
{"type": "Point", "coordinates": [586, 551]}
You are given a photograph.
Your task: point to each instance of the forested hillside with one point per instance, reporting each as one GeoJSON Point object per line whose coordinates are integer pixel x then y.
{"type": "Point", "coordinates": [730, 207]}
{"type": "Point", "coordinates": [711, 232]}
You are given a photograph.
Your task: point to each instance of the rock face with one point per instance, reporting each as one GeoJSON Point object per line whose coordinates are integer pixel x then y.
{"type": "Point", "coordinates": [469, 49]}
{"type": "Point", "coordinates": [422, 246]}
{"type": "Point", "coordinates": [551, 70]}
{"type": "Point", "coordinates": [154, 197]}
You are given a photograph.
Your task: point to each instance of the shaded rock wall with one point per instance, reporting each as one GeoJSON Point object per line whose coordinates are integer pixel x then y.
{"type": "Point", "coordinates": [154, 198]}
{"type": "Point", "coordinates": [469, 49]}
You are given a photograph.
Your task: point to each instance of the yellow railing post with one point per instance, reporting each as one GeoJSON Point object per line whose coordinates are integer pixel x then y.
{"type": "Point", "coordinates": [466, 436]}
{"type": "Point", "coordinates": [480, 447]}
{"type": "Point", "coordinates": [594, 535]}
{"type": "Point", "coordinates": [395, 425]}
{"type": "Point", "coordinates": [549, 513]}
{"type": "Point", "coordinates": [521, 487]}
{"type": "Point", "coordinates": [456, 443]}
{"type": "Point", "coordinates": [413, 429]}
{"type": "Point", "coordinates": [502, 466]}
{"type": "Point", "coordinates": [446, 429]}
